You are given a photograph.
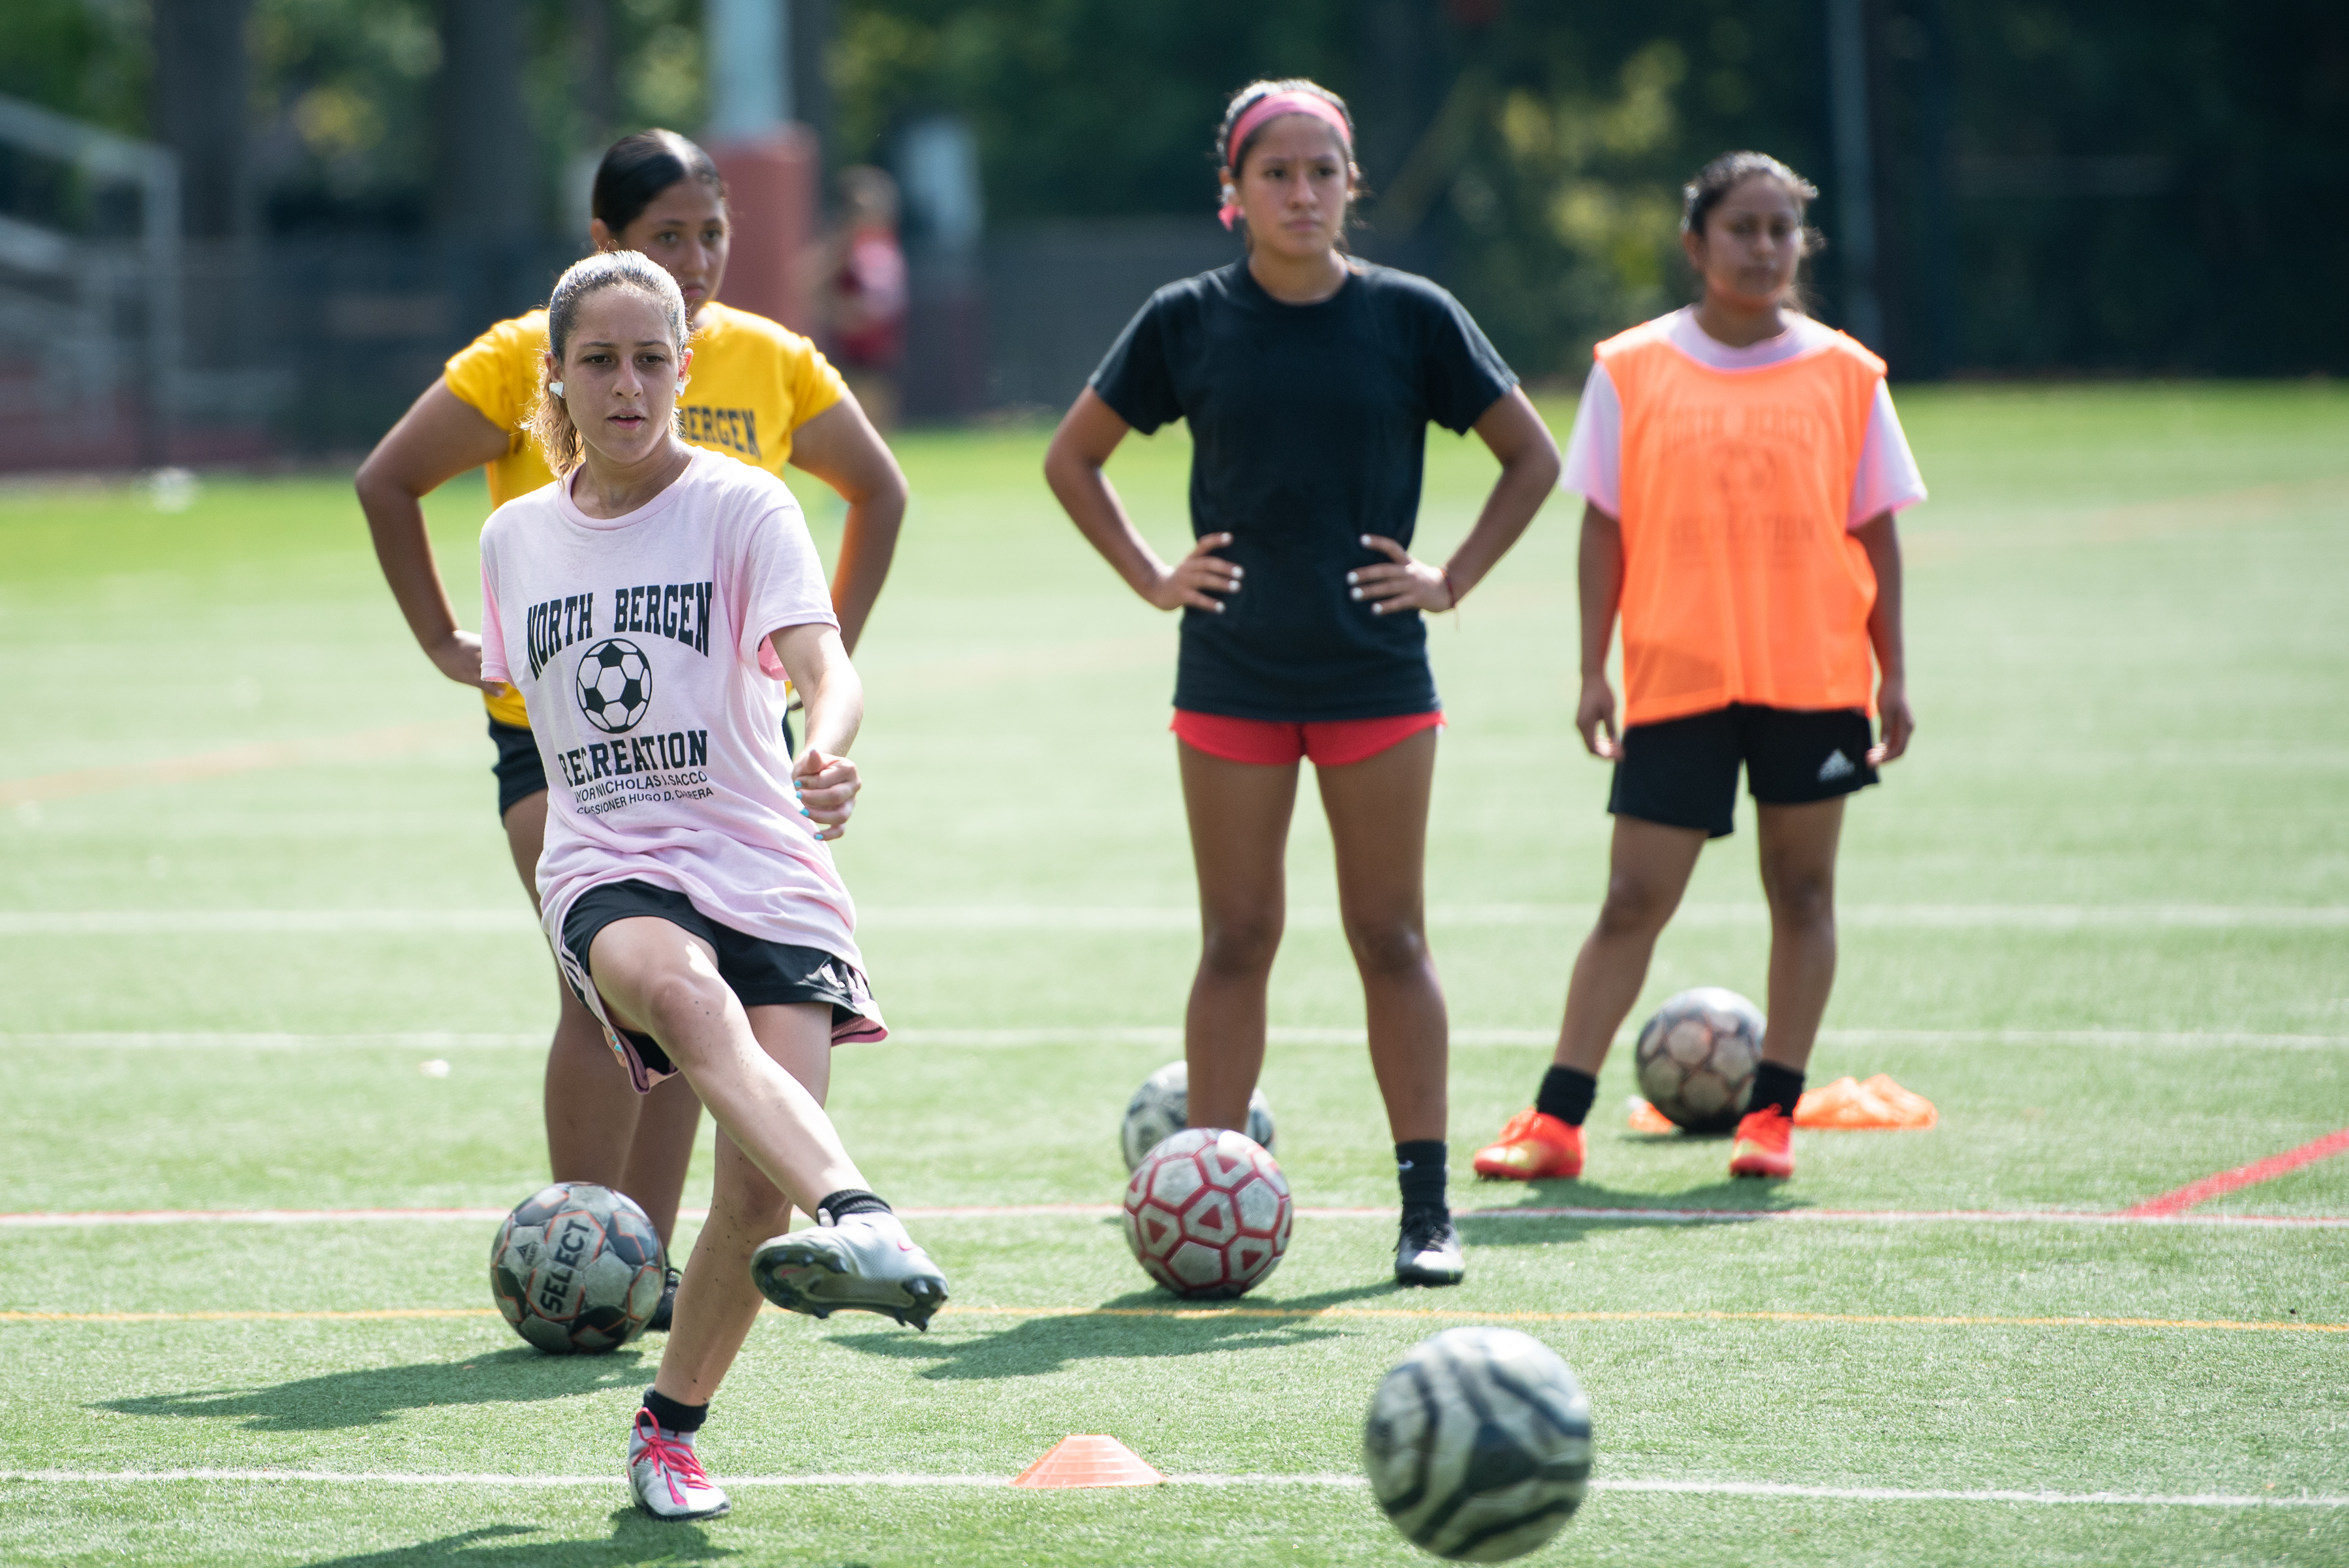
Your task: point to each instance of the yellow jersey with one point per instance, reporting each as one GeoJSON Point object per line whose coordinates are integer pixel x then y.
{"type": "Point", "coordinates": [753, 383]}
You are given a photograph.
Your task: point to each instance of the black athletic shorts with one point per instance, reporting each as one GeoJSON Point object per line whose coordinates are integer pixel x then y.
{"type": "Point", "coordinates": [1683, 773]}
{"type": "Point", "coordinates": [761, 974]}
{"type": "Point", "coordinates": [522, 774]}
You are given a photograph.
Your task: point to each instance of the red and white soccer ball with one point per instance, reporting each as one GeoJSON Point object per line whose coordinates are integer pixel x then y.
{"type": "Point", "coordinates": [1697, 1056]}
{"type": "Point", "coordinates": [1207, 1213]}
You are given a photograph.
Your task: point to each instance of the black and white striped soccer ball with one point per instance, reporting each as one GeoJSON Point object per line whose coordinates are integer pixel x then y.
{"type": "Point", "coordinates": [1478, 1444]}
{"type": "Point", "coordinates": [577, 1269]}
{"type": "Point", "coordinates": [1697, 1057]}
{"type": "Point", "coordinates": [616, 685]}
{"type": "Point", "coordinates": [1162, 1107]}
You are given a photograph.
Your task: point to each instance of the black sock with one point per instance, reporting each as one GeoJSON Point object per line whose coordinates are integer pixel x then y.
{"type": "Point", "coordinates": [1566, 1094]}
{"type": "Point", "coordinates": [1419, 1171]}
{"type": "Point", "coordinates": [1775, 1086]}
{"type": "Point", "coordinates": [846, 1201]}
{"type": "Point", "coordinates": [672, 1416]}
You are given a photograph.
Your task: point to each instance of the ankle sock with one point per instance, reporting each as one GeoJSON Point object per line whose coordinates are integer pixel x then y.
{"type": "Point", "coordinates": [681, 1420]}
{"type": "Point", "coordinates": [846, 1201]}
{"type": "Point", "coordinates": [1775, 1086]}
{"type": "Point", "coordinates": [1419, 1171]}
{"type": "Point", "coordinates": [1566, 1094]}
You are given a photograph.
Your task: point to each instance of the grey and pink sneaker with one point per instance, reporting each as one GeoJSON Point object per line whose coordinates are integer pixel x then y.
{"type": "Point", "coordinates": [864, 1263]}
{"type": "Point", "coordinates": [667, 1478]}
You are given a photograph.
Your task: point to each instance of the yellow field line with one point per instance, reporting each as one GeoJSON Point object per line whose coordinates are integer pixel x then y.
{"type": "Point", "coordinates": [2236, 1325]}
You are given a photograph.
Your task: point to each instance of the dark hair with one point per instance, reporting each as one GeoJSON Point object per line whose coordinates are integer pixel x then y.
{"type": "Point", "coordinates": [550, 421]}
{"type": "Point", "coordinates": [1231, 157]}
{"type": "Point", "coordinates": [1725, 173]}
{"type": "Point", "coordinates": [1717, 178]}
{"type": "Point", "coordinates": [637, 167]}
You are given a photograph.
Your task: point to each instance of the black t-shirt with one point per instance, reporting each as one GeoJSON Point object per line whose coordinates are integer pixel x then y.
{"type": "Point", "coordinates": [1308, 429]}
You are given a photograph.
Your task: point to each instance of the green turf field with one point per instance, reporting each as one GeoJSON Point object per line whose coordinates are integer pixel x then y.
{"type": "Point", "coordinates": [251, 880]}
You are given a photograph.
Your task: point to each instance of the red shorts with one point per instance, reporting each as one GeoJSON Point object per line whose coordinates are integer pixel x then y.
{"type": "Point", "coordinates": [1331, 744]}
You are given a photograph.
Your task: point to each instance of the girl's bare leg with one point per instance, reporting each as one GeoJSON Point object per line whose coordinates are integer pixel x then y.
{"type": "Point", "coordinates": [656, 977]}
{"type": "Point", "coordinates": [598, 1128]}
{"type": "Point", "coordinates": [1799, 861]}
{"type": "Point", "coordinates": [1378, 820]}
{"type": "Point", "coordinates": [718, 1304]}
{"type": "Point", "coordinates": [1648, 870]}
{"type": "Point", "coordinates": [1239, 814]}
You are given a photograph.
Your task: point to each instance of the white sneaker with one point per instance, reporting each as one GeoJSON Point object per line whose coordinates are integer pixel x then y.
{"type": "Point", "coordinates": [863, 1263]}
{"type": "Point", "coordinates": [1427, 1250]}
{"type": "Point", "coordinates": [667, 1478]}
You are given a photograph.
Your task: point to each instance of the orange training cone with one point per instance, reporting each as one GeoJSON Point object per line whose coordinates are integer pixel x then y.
{"type": "Point", "coordinates": [1088, 1461]}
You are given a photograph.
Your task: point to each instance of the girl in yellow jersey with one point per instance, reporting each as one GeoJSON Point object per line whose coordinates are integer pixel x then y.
{"type": "Point", "coordinates": [759, 393]}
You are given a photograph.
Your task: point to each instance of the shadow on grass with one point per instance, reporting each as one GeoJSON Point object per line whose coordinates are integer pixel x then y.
{"type": "Point", "coordinates": [1140, 1325]}
{"type": "Point", "coordinates": [517, 1376]}
{"type": "Point", "coordinates": [636, 1538]}
{"type": "Point", "coordinates": [1728, 1201]}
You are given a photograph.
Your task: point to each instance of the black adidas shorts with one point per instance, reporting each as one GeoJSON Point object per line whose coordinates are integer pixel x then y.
{"type": "Point", "coordinates": [1683, 773]}
{"type": "Point", "coordinates": [761, 974]}
{"type": "Point", "coordinates": [521, 773]}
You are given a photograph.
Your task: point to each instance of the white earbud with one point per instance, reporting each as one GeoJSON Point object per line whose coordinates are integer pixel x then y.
{"type": "Point", "coordinates": [1231, 192]}
{"type": "Point", "coordinates": [555, 389]}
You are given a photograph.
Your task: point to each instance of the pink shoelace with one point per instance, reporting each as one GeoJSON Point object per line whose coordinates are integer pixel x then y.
{"type": "Point", "coordinates": [673, 1458]}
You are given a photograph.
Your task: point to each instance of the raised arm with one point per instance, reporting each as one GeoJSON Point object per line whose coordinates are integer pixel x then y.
{"type": "Point", "coordinates": [1516, 435]}
{"type": "Point", "coordinates": [1072, 467]}
{"type": "Point", "coordinates": [834, 697]}
{"type": "Point", "coordinates": [439, 438]}
{"type": "Point", "coordinates": [841, 447]}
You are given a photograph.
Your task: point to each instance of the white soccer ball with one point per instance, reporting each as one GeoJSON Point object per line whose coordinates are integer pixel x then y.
{"type": "Point", "coordinates": [577, 1269]}
{"type": "Point", "coordinates": [1162, 1107]}
{"type": "Point", "coordinates": [1697, 1056]}
{"type": "Point", "coordinates": [1207, 1213]}
{"type": "Point", "coordinates": [1478, 1444]}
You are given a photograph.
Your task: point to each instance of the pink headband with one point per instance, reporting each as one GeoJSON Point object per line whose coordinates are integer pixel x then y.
{"type": "Point", "coordinates": [1271, 104]}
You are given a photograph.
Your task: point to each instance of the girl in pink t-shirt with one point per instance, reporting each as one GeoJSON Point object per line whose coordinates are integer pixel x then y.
{"type": "Point", "coordinates": [648, 605]}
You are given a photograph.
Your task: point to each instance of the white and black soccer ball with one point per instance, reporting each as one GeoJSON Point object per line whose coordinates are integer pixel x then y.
{"type": "Point", "coordinates": [616, 685]}
{"type": "Point", "coordinates": [577, 1269]}
{"type": "Point", "coordinates": [1162, 1107]}
{"type": "Point", "coordinates": [1697, 1057]}
{"type": "Point", "coordinates": [1478, 1444]}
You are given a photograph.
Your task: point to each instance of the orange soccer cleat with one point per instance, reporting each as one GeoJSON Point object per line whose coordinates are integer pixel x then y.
{"type": "Point", "coordinates": [1765, 1144]}
{"type": "Point", "coordinates": [1531, 1147]}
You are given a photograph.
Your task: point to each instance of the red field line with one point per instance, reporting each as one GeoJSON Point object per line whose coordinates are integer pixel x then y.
{"type": "Point", "coordinates": [366, 745]}
{"type": "Point", "coordinates": [2142, 1215]}
{"type": "Point", "coordinates": [2200, 1192]}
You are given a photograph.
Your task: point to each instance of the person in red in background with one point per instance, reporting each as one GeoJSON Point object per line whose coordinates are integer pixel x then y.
{"type": "Point", "coordinates": [864, 290]}
{"type": "Point", "coordinates": [1741, 466]}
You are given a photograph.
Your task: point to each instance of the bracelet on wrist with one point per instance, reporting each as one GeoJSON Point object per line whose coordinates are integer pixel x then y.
{"type": "Point", "coordinates": [1451, 592]}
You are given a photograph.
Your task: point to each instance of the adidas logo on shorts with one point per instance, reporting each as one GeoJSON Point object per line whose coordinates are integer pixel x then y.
{"type": "Point", "coordinates": [1836, 766]}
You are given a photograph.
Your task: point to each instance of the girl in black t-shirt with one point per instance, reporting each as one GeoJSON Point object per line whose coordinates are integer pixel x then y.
{"type": "Point", "coordinates": [1308, 380]}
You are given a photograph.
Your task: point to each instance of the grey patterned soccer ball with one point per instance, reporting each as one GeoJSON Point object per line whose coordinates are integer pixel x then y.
{"type": "Point", "coordinates": [1697, 1057]}
{"type": "Point", "coordinates": [616, 685]}
{"type": "Point", "coordinates": [1162, 1106]}
{"type": "Point", "coordinates": [1478, 1444]}
{"type": "Point", "coordinates": [577, 1269]}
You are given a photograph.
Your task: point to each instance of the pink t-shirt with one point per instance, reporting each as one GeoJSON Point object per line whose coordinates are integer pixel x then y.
{"type": "Point", "coordinates": [639, 646]}
{"type": "Point", "coordinates": [1887, 479]}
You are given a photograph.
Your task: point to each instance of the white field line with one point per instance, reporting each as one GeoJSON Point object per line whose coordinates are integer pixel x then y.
{"type": "Point", "coordinates": [1096, 918]}
{"type": "Point", "coordinates": [1337, 1481]}
{"type": "Point", "coordinates": [106, 1218]}
{"type": "Point", "coordinates": [1164, 1037]}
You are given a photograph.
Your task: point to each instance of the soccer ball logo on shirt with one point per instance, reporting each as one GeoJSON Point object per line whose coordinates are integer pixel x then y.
{"type": "Point", "coordinates": [616, 685]}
